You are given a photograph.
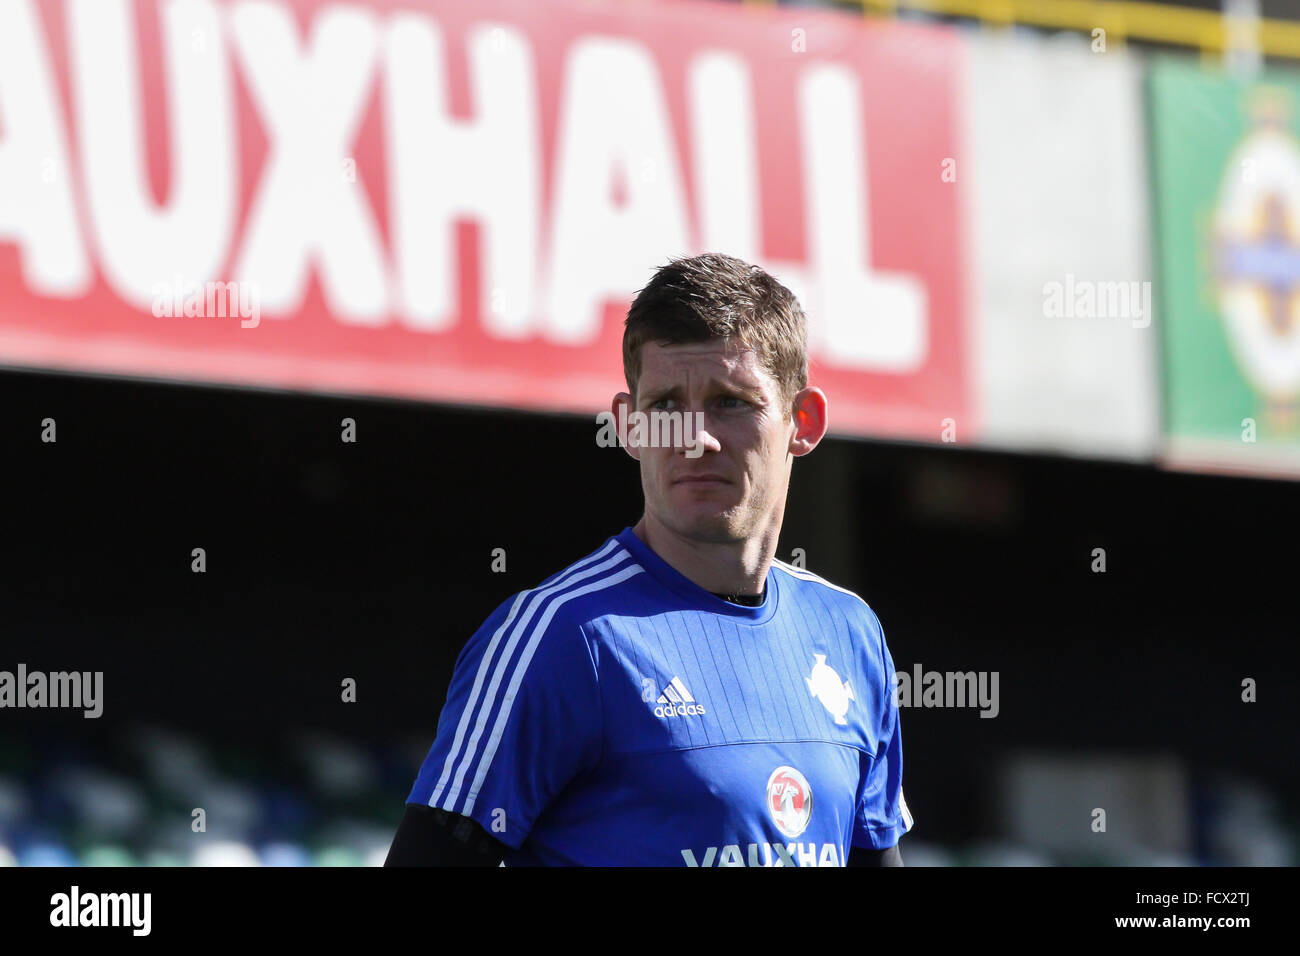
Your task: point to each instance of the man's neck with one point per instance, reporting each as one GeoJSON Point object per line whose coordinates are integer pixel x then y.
{"type": "Point", "coordinates": [748, 600]}
{"type": "Point", "coordinates": [730, 568]}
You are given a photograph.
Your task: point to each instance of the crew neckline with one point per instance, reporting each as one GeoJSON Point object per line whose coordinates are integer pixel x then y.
{"type": "Point", "coordinates": [699, 597]}
{"type": "Point", "coordinates": [735, 598]}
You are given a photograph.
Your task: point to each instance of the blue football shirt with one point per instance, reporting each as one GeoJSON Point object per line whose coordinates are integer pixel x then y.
{"type": "Point", "coordinates": [621, 715]}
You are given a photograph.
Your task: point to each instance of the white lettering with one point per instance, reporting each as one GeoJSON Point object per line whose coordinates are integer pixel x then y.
{"type": "Point", "coordinates": [311, 104]}
{"type": "Point", "coordinates": [613, 123]}
{"type": "Point", "coordinates": [785, 854]}
{"type": "Point", "coordinates": [139, 241]}
{"type": "Point", "coordinates": [103, 909]}
{"type": "Point", "coordinates": [440, 169]}
{"type": "Point", "coordinates": [618, 205]}
{"type": "Point", "coordinates": [689, 856]}
{"type": "Point", "coordinates": [869, 319]}
{"type": "Point", "coordinates": [726, 169]}
{"type": "Point", "coordinates": [36, 202]}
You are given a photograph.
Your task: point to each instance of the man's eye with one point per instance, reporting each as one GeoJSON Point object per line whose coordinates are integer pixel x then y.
{"type": "Point", "coordinates": [733, 398]}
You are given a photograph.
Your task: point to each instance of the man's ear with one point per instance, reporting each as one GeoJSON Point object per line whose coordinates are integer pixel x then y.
{"type": "Point", "coordinates": [622, 409]}
{"type": "Point", "coordinates": [810, 421]}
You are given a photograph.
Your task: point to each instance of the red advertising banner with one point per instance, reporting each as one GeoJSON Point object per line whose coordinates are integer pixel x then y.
{"type": "Point", "coordinates": [457, 201]}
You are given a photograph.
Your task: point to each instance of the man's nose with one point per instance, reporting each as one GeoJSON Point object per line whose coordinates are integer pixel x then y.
{"type": "Point", "coordinates": [697, 438]}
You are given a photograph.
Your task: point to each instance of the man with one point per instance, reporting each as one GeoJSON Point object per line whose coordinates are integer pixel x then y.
{"type": "Point", "coordinates": [679, 696]}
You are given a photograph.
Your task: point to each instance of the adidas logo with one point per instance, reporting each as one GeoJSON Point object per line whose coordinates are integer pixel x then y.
{"type": "Point", "coordinates": [676, 701]}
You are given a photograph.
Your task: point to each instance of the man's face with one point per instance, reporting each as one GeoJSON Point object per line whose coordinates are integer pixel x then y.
{"type": "Point", "coordinates": [736, 483]}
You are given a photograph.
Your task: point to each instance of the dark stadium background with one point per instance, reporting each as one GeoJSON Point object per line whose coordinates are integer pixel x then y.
{"type": "Point", "coordinates": [372, 560]}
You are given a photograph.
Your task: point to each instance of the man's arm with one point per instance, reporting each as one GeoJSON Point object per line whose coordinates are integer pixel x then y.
{"type": "Point", "coordinates": [428, 836]}
{"type": "Point", "coordinates": [865, 856]}
{"type": "Point", "coordinates": [881, 816]}
{"type": "Point", "coordinates": [536, 680]}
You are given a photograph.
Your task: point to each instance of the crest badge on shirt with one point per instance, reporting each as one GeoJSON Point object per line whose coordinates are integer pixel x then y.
{"type": "Point", "coordinates": [825, 684]}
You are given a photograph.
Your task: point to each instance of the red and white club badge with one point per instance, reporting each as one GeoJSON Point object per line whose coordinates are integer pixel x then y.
{"type": "Point", "coordinates": [789, 800]}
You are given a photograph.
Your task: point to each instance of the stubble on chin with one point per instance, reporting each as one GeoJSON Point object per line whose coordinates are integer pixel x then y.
{"type": "Point", "coordinates": [721, 527]}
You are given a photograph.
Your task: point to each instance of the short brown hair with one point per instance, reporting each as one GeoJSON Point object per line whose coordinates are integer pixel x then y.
{"type": "Point", "coordinates": [716, 296]}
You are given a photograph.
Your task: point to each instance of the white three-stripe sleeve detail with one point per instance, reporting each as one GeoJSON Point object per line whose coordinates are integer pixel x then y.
{"type": "Point", "coordinates": [508, 703]}
{"type": "Point", "coordinates": [520, 628]}
{"type": "Point", "coordinates": [485, 665]}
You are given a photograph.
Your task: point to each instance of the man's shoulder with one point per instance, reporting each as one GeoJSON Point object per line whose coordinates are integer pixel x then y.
{"type": "Point", "coordinates": [806, 585]}
{"type": "Point", "coordinates": [819, 598]}
{"type": "Point", "coordinates": [572, 597]}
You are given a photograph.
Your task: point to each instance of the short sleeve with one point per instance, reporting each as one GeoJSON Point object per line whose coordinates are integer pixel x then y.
{"type": "Point", "coordinates": [522, 719]}
{"type": "Point", "coordinates": [882, 815]}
